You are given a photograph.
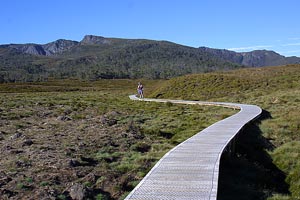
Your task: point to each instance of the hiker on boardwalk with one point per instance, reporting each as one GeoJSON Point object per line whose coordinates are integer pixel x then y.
{"type": "Point", "coordinates": [140, 89]}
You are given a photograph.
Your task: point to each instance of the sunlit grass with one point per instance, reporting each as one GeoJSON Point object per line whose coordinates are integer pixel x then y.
{"type": "Point", "coordinates": [133, 135]}
{"type": "Point", "coordinates": [161, 126]}
{"type": "Point", "coordinates": [274, 89]}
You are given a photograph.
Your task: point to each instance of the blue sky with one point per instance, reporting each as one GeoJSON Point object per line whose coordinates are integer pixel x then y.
{"type": "Point", "coordinates": [237, 25]}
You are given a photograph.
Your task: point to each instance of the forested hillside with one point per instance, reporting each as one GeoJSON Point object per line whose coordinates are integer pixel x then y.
{"type": "Point", "coordinates": [96, 57]}
{"type": "Point", "coordinates": [105, 58]}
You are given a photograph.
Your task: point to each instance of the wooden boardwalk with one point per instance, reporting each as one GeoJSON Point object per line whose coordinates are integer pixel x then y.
{"type": "Point", "coordinates": [191, 169]}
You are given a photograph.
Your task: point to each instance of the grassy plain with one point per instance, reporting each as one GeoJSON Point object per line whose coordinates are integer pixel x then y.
{"type": "Point", "coordinates": [277, 137]}
{"type": "Point", "coordinates": [61, 134]}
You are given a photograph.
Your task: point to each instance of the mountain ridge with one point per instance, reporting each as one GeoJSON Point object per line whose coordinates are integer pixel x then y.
{"type": "Point", "coordinates": [256, 58]}
{"type": "Point", "coordinates": [93, 39]}
{"type": "Point", "coordinates": [97, 57]}
{"type": "Point", "coordinates": [48, 49]}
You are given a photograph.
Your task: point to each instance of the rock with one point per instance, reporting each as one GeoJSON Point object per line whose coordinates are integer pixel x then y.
{"type": "Point", "coordinates": [113, 113]}
{"type": "Point", "coordinates": [6, 148]}
{"type": "Point", "coordinates": [45, 193]}
{"type": "Point", "coordinates": [110, 118]}
{"type": "Point", "coordinates": [108, 121]}
{"type": "Point", "coordinates": [48, 49]}
{"type": "Point", "coordinates": [78, 192]}
{"type": "Point", "coordinates": [86, 161]}
{"type": "Point", "coordinates": [67, 111]}
{"type": "Point", "coordinates": [44, 114]}
{"type": "Point", "coordinates": [103, 119]}
{"type": "Point", "coordinates": [4, 180]}
{"type": "Point", "coordinates": [74, 163]}
{"type": "Point", "coordinates": [90, 178]}
{"type": "Point", "coordinates": [34, 49]}
{"type": "Point", "coordinates": [58, 46]}
{"type": "Point", "coordinates": [16, 135]}
{"type": "Point", "coordinates": [7, 193]}
{"type": "Point", "coordinates": [21, 163]}
{"type": "Point", "coordinates": [16, 151]}
{"type": "Point", "coordinates": [112, 122]}
{"type": "Point", "coordinates": [2, 133]}
{"type": "Point", "coordinates": [64, 118]}
{"type": "Point", "coordinates": [69, 151]}
{"type": "Point", "coordinates": [27, 142]}
{"type": "Point", "coordinates": [1, 136]}
{"type": "Point", "coordinates": [92, 39]}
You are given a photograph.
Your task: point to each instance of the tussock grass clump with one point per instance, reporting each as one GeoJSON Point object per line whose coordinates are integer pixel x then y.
{"type": "Point", "coordinates": [88, 133]}
{"type": "Point", "coordinates": [287, 158]}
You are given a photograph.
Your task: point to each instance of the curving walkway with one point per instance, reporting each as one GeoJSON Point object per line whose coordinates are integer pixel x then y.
{"type": "Point", "coordinates": [191, 169]}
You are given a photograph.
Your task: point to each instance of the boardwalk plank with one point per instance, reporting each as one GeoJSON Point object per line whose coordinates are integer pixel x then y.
{"type": "Point", "coordinates": [191, 169]}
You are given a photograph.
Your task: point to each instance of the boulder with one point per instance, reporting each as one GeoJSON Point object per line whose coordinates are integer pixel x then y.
{"type": "Point", "coordinates": [78, 192]}
{"type": "Point", "coordinates": [74, 163]}
{"type": "Point", "coordinates": [64, 118]}
{"type": "Point", "coordinates": [16, 135]}
{"type": "Point", "coordinates": [27, 142]}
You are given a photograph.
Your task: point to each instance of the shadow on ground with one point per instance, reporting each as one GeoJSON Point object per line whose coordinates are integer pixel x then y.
{"type": "Point", "coordinates": [248, 173]}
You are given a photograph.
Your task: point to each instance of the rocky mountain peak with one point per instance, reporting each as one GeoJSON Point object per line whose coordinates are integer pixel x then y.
{"type": "Point", "coordinates": [48, 49]}
{"type": "Point", "coordinates": [259, 58]}
{"type": "Point", "coordinates": [92, 39]}
{"type": "Point", "coordinates": [58, 46]}
{"type": "Point", "coordinates": [34, 49]}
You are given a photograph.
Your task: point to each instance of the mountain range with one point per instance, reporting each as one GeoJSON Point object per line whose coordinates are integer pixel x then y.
{"type": "Point", "coordinates": [96, 57]}
{"type": "Point", "coordinates": [257, 58]}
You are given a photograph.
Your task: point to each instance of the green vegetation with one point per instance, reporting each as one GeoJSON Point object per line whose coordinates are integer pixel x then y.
{"type": "Point", "coordinates": [277, 91]}
{"type": "Point", "coordinates": [63, 133]}
{"type": "Point", "coordinates": [118, 58]}
{"type": "Point", "coordinates": [90, 133]}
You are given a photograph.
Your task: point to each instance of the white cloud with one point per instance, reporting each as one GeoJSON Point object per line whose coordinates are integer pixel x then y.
{"type": "Point", "coordinates": [294, 51]}
{"type": "Point", "coordinates": [250, 48]}
{"type": "Point", "coordinates": [291, 44]}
